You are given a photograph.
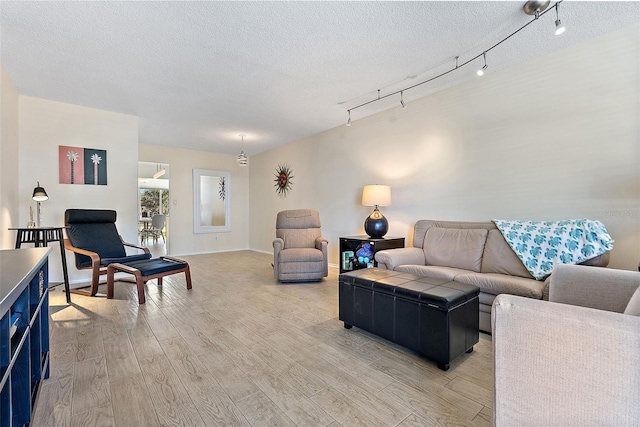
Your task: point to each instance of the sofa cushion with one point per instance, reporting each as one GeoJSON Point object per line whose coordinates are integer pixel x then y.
{"type": "Point", "coordinates": [457, 248]}
{"type": "Point", "coordinates": [496, 284]}
{"type": "Point", "coordinates": [498, 257]}
{"type": "Point", "coordinates": [633, 308]}
{"type": "Point", "coordinates": [433, 271]}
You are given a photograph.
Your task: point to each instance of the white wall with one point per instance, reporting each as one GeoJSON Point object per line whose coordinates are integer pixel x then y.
{"type": "Point", "coordinates": [8, 160]}
{"type": "Point", "coordinates": [181, 239]}
{"type": "Point", "coordinates": [555, 138]}
{"type": "Point", "coordinates": [44, 125]}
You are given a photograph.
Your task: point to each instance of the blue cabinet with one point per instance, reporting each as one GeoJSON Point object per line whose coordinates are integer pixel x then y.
{"type": "Point", "coordinates": [24, 331]}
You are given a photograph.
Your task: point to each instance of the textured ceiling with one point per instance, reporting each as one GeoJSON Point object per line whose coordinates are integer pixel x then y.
{"type": "Point", "coordinates": [200, 73]}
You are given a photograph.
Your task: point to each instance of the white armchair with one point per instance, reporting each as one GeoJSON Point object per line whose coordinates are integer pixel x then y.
{"type": "Point", "coordinates": [571, 361]}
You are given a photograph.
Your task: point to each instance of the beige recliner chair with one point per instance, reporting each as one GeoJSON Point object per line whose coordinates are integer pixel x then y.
{"type": "Point", "coordinates": [299, 251]}
{"type": "Point", "coordinates": [573, 360]}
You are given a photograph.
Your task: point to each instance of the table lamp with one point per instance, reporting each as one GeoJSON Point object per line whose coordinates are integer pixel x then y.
{"type": "Point", "coordinates": [376, 225]}
{"type": "Point", "coordinates": [39, 195]}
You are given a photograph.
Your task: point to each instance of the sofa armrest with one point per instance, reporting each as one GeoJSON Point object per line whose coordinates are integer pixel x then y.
{"type": "Point", "coordinates": [278, 245]}
{"type": "Point", "coordinates": [389, 259]}
{"type": "Point", "coordinates": [545, 290]}
{"type": "Point", "coordinates": [595, 287]}
{"type": "Point", "coordinates": [321, 244]}
{"type": "Point", "coordinates": [571, 365]}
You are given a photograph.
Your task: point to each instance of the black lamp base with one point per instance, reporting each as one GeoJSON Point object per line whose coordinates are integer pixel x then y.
{"type": "Point", "coordinates": [376, 225]}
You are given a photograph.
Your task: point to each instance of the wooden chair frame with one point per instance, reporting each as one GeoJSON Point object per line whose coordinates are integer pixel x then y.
{"type": "Point", "coordinates": [97, 270]}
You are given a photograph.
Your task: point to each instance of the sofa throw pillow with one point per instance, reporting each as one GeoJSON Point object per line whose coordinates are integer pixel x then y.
{"type": "Point", "coordinates": [454, 247]}
{"type": "Point", "coordinates": [633, 308]}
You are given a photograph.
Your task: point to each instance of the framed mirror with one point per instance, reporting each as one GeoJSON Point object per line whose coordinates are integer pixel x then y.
{"type": "Point", "coordinates": [211, 204]}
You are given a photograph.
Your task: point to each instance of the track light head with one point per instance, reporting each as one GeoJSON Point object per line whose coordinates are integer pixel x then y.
{"type": "Point", "coordinates": [402, 100]}
{"type": "Point", "coordinates": [349, 120]}
{"type": "Point", "coordinates": [560, 28]}
{"type": "Point", "coordinates": [481, 71]}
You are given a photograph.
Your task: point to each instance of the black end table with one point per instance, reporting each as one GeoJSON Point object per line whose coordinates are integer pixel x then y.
{"type": "Point", "coordinates": [41, 237]}
{"type": "Point", "coordinates": [349, 246]}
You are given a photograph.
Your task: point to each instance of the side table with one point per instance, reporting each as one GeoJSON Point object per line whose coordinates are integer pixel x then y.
{"type": "Point", "coordinates": [349, 246]}
{"type": "Point", "coordinates": [41, 237]}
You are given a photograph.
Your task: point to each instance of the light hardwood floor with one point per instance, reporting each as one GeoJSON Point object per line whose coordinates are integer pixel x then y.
{"type": "Point", "coordinates": [241, 349]}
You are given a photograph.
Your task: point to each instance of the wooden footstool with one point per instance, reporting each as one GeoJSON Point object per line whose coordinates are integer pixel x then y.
{"type": "Point", "coordinates": [148, 269]}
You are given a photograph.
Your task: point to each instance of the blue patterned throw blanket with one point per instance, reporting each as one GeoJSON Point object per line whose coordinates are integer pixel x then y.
{"type": "Point", "coordinates": [541, 245]}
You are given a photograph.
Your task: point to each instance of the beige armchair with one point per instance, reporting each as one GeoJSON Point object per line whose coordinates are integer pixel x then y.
{"type": "Point", "coordinates": [299, 251]}
{"type": "Point", "coordinates": [571, 361]}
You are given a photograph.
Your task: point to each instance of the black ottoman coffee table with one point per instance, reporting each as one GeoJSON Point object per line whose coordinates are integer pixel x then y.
{"type": "Point", "coordinates": [437, 318]}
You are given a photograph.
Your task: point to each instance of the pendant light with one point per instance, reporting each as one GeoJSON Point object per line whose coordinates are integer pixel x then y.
{"type": "Point", "coordinates": [242, 158]}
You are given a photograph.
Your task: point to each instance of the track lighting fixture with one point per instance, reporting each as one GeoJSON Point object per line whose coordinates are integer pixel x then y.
{"type": "Point", "coordinates": [535, 7]}
{"type": "Point", "coordinates": [560, 28]}
{"type": "Point", "coordinates": [531, 7]}
{"type": "Point", "coordinates": [480, 71]}
{"type": "Point", "coordinates": [242, 158]}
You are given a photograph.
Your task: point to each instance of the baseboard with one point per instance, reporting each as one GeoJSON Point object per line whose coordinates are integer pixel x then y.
{"type": "Point", "coordinates": [209, 252]}
{"type": "Point", "coordinates": [332, 265]}
{"type": "Point", "coordinates": [261, 251]}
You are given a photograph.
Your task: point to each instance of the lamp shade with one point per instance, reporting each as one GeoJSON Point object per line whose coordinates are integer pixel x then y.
{"type": "Point", "coordinates": [39, 195]}
{"type": "Point", "coordinates": [242, 159]}
{"type": "Point", "coordinates": [376, 195]}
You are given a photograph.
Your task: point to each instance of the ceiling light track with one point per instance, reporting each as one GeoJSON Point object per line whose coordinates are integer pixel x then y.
{"type": "Point", "coordinates": [537, 11]}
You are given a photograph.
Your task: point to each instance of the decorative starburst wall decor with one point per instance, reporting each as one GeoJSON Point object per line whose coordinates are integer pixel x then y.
{"type": "Point", "coordinates": [283, 180]}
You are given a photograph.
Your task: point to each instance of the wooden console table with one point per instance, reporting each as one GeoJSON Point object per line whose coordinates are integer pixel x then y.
{"type": "Point", "coordinates": [41, 237]}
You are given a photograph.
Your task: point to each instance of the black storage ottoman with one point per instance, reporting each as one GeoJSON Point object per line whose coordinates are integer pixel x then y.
{"type": "Point", "coordinates": [437, 318]}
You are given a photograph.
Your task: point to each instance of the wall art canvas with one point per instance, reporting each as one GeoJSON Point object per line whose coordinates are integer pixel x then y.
{"type": "Point", "coordinates": [78, 165]}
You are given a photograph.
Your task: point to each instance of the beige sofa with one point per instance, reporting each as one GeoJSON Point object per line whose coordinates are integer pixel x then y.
{"type": "Point", "coordinates": [580, 351]}
{"type": "Point", "coordinates": [475, 253]}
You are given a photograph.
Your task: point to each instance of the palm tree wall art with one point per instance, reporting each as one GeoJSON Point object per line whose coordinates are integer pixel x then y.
{"type": "Point", "coordinates": [78, 165]}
